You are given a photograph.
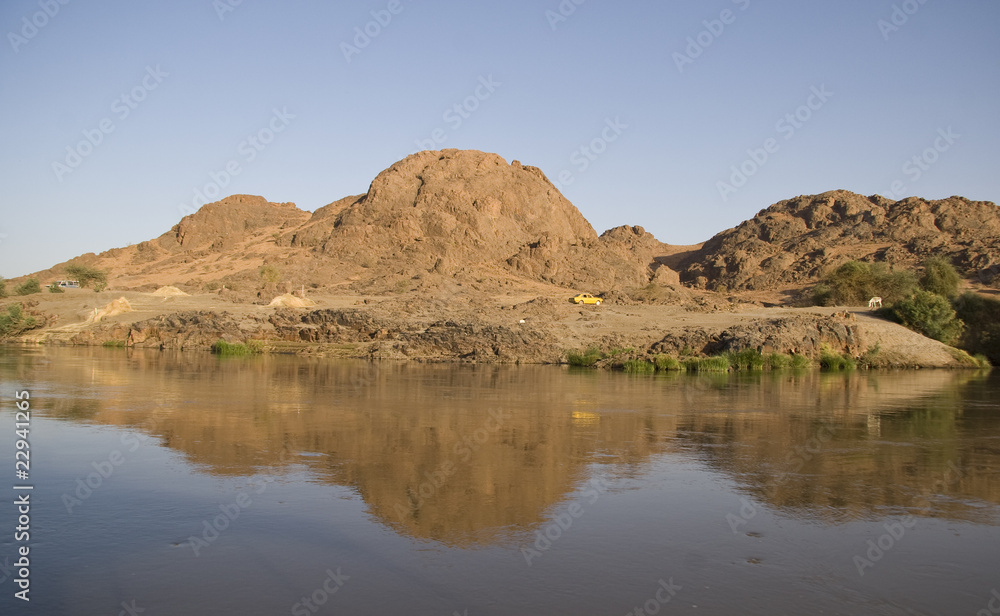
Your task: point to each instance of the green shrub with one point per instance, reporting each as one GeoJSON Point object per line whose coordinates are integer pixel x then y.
{"type": "Point", "coordinates": [86, 274]}
{"type": "Point", "coordinates": [28, 287]}
{"type": "Point", "coordinates": [777, 361]}
{"type": "Point", "coordinates": [929, 314]}
{"type": "Point", "coordinates": [638, 366]}
{"type": "Point", "coordinates": [940, 277]}
{"type": "Point", "coordinates": [830, 360]}
{"type": "Point", "coordinates": [981, 315]}
{"type": "Point", "coordinates": [855, 282]}
{"type": "Point", "coordinates": [117, 344]}
{"type": "Point", "coordinates": [718, 363]}
{"type": "Point", "coordinates": [982, 360]}
{"type": "Point", "coordinates": [54, 288]}
{"type": "Point", "coordinates": [745, 359]}
{"type": "Point", "coordinates": [585, 358]}
{"type": "Point", "coordinates": [800, 362]}
{"type": "Point", "coordinates": [3, 287]}
{"type": "Point", "coordinates": [238, 349]}
{"type": "Point", "coordinates": [15, 322]}
{"type": "Point", "coordinates": [615, 352]}
{"type": "Point", "coordinates": [666, 362]}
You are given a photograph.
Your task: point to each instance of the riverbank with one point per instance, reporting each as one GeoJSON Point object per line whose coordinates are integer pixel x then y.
{"type": "Point", "coordinates": [468, 325]}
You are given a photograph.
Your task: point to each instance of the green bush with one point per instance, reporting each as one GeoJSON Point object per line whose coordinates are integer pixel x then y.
{"type": "Point", "coordinates": [718, 363]}
{"type": "Point", "coordinates": [86, 274]}
{"type": "Point", "coordinates": [830, 360]}
{"type": "Point", "coordinates": [929, 314]}
{"type": "Point", "coordinates": [54, 288]}
{"type": "Point", "coordinates": [940, 277]}
{"type": "Point", "coordinates": [585, 358]}
{"type": "Point", "coordinates": [115, 344]}
{"type": "Point", "coordinates": [745, 359]}
{"type": "Point", "coordinates": [638, 366]}
{"type": "Point", "coordinates": [15, 322]}
{"type": "Point", "coordinates": [28, 287]}
{"type": "Point", "coordinates": [238, 349]}
{"type": "Point", "coordinates": [3, 287]}
{"type": "Point", "coordinates": [854, 282]}
{"type": "Point", "coordinates": [800, 362]}
{"type": "Point", "coordinates": [981, 315]}
{"type": "Point", "coordinates": [666, 362]}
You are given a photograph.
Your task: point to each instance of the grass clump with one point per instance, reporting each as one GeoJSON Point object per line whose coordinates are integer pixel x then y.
{"type": "Point", "coordinates": [54, 288]}
{"type": "Point", "coordinates": [238, 349]}
{"type": "Point", "coordinates": [639, 366]}
{"type": "Point", "coordinates": [745, 359]}
{"type": "Point", "coordinates": [717, 363]}
{"type": "Point", "coordinates": [114, 344]}
{"type": "Point", "coordinates": [835, 362]}
{"type": "Point", "coordinates": [584, 358]}
{"type": "Point", "coordinates": [666, 363]}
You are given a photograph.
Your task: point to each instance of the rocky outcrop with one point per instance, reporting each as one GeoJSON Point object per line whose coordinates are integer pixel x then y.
{"type": "Point", "coordinates": [796, 241]}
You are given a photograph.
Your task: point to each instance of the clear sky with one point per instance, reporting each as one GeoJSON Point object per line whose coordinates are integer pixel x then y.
{"type": "Point", "coordinates": [116, 112]}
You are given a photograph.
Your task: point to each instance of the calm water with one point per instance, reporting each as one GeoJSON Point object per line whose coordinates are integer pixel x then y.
{"type": "Point", "coordinates": [185, 484]}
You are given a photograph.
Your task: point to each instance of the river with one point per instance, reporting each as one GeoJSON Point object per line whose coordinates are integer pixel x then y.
{"type": "Point", "coordinates": [185, 483]}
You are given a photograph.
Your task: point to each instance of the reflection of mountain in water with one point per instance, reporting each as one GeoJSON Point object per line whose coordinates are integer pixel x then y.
{"type": "Point", "coordinates": [460, 454]}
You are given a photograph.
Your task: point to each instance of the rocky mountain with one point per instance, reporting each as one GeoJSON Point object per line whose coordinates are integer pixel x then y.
{"type": "Point", "coordinates": [432, 217]}
{"type": "Point", "coordinates": [795, 241]}
{"type": "Point", "coordinates": [438, 219]}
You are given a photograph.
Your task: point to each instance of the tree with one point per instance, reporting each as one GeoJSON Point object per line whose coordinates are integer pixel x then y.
{"type": "Point", "coordinates": [929, 314]}
{"type": "Point", "coordinates": [855, 281]}
{"type": "Point", "coordinates": [981, 315]}
{"type": "Point", "coordinates": [940, 277]}
{"type": "Point", "coordinates": [28, 287]}
{"type": "Point", "coordinates": [15, 322]}
{"type": "Point", "coordinates": [86, 274]}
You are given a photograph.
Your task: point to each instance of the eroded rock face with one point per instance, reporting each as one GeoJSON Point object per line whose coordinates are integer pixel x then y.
{"type": "Point", "coordinates": [797, 240]}
{"type": "Point", "coordinates": [461, 214]}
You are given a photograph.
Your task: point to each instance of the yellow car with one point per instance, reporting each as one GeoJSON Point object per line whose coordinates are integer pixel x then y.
{"type": "Point", "coordinates": [586, 298]}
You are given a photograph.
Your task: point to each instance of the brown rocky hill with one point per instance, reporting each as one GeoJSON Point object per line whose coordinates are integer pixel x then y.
{"type": "Point", "coordinates": [796, 241]}
{"type": "Point", "coordinates": [432, 217]}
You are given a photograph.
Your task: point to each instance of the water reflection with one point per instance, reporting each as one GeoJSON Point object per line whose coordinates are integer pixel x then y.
{"type": "Point", "coordinates": [469, 455]}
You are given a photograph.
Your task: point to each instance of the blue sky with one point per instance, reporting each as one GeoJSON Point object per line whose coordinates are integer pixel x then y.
{"type": "Point", "coordinates": [117, 113]}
